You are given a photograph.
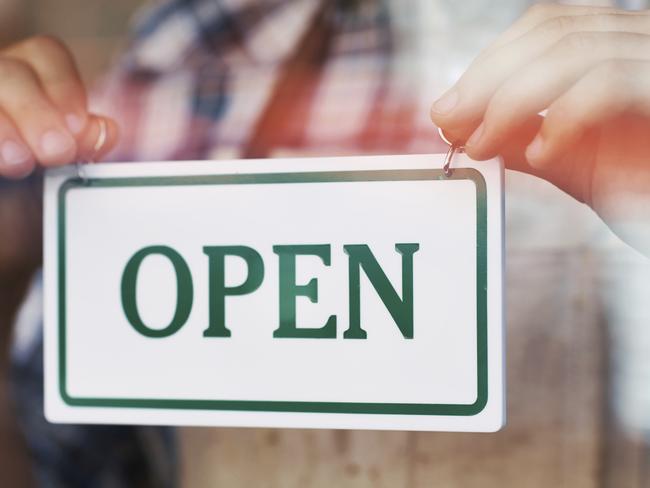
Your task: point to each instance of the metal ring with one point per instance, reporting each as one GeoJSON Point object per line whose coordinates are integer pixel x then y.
{"type": "Point", "coordinates": [448, 158]}
{"type": "Point", "coordinates": [97, 147]}
{"type": "Point", "coordinates": [81, 174]}
{"type": "Point", "coordinates": [459, 147]}
{"type": "Point", "coordinates": [444, 137]}
{"type": "Point", "coordinates": [101, 137]}
{"type": "Point", "coordinates": [454, 148]}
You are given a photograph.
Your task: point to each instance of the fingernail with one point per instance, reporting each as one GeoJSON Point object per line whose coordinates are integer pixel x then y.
{"type": "Point", "coordinates": [74, 122]}
{"type": "Point", "coordinates": [54, 143]}
{"type": "Point", "coordinates": [534, 150]}
{"type": "Point", "coordinates": [476, 136]}
{"type": "Point", "coordinates": [14, 154]}
{"type": "Point", "coordinates": [447, 103]}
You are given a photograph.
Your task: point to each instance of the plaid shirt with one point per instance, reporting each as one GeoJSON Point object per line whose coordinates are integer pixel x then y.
{"type": "Point", "coordinates": [195, 83]}
{"type": "Point", "coordinates": [199, 74]}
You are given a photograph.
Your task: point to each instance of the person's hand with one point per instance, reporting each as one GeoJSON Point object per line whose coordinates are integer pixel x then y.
{"type": "Point", "coordinates": [590, 69]}
{"type": "Point", "coordinates": [44, 118]}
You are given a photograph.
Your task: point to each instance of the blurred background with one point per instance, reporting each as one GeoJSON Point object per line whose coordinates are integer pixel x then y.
{"type": "Point", "coordinates": [578, 316]}
{"type": "Point", "coordinates": [94, 31]}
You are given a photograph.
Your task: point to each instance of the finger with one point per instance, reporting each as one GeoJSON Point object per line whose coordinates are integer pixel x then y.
{"type": "Point", "coordinates": [464, 105]}
{"type": "Point", "coordinates": [98, 138]}
{"type": "Point", "coordinates": [534, 88]}
{"type": "Point", "coordinates": [546, 33]}
{"type": "Point", "coordinates": [16, 160]}
{"type": "Point", "coordinates": [541, 13]}
{"type": "Point", "coordinates": [38, 121]}
{"type": "Point", "coordinates": [611, 89]}
{"type": "Point", "coordinates": [569, 174]}
{"type": "Point", "coordinates": [55, 67]}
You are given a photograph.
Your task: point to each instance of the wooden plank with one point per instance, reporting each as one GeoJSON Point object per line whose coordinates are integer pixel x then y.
{"type": "Point", "coordinates": [285, 458]}
{"type": "Point", "coordinates": [555, 410]}
{"type": "Point", "coordinates": [626, 462]}
{"type": "Point", "coordinates": [624, 284]}
{"type": "Point", "coordinates": [555, 387]}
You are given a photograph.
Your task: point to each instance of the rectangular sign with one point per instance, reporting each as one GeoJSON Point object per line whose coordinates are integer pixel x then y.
{"type": "Point", "coordinates": [361, 292]}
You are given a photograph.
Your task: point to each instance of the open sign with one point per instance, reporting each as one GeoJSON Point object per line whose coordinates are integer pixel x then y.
{"type": "Point", "coordinates": [335, 292]}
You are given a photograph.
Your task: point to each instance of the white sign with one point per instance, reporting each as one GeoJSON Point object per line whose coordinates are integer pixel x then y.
{"type": "Point", "coordinates": [361, 292]}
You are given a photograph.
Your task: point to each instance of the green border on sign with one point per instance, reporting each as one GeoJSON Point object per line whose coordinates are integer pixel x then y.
{"type": "Point", "coordinates": [291, 406]}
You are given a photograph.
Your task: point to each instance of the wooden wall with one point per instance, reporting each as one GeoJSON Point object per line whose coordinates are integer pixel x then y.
{"type": "Point", "coordinates": [558, 432]}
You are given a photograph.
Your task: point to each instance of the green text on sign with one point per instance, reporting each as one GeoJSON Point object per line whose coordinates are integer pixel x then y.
{"type": "Point", "coordinates": [360, 257]}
